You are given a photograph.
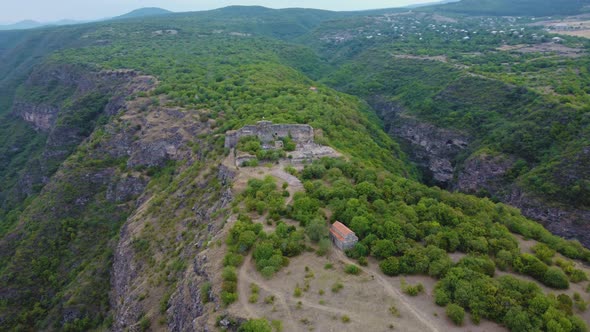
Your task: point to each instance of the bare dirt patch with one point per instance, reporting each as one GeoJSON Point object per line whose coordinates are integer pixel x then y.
{"type": "Point", "coordinates": [577, 33]}
{"type": "Point", "coordinates": [443, 19]}
{"type": "Point", "coordinates": [547, 48]}
{"type": "Point", "coordinates": [439, 58]}
{"type": "Point", "coordinates": [361, 304]}
{"type": "Point", "coordinates": [578, 26]}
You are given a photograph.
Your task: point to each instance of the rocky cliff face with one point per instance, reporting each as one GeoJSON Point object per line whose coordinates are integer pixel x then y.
{"type": "Point", "coordinates": [171, 223]}
{"type": "Point", "coordinates": [484, 173]}
{"type": "Point", "coordinates": [433, 149]}
{"type": "Point", "coordinates": [154, 175]}
{"type": "Point", "coordinates": [42, 117]}
{"type": "Point", "coordinates": [67, 91]}
{"type": "Point", "coordinates": [438, 153]}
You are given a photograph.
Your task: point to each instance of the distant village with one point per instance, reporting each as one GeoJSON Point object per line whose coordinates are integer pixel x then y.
{"type": "Point", "coordinates": [414, 26]}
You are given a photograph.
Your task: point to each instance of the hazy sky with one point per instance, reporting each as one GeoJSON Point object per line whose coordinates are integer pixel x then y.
{"type": "Point", "coordinates": [51, 10]}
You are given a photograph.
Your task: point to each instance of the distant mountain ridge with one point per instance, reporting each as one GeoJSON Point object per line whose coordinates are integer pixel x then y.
{"type": "Point", "coordinates": [31, 24]}
{"type": "Point", "coordinates": [144, 12]}
{"type": "Point", "coordinates": [26, 24]}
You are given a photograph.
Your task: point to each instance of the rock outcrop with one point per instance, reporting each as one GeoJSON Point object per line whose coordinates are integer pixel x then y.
{"type": "Point", "coordinates": [186, 216]}
{"type": "Point", "coordinates": [484, 173]}
{"type": "Point", "coordinates": [50, 102]}
{"type": "Point", "coordinates": [433, 149]}
{"type": "Point", "coordinates": [439, 153]}
{"type": "Point", "coordinates": [42, 117]}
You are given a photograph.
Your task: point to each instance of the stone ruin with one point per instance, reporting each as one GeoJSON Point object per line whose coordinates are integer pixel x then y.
{"type": "Point", "coordinates": [270, 136]}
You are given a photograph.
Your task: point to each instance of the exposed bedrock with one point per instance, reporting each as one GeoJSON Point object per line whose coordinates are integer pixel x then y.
{"type": "Point", "coordinates": [448, 159]}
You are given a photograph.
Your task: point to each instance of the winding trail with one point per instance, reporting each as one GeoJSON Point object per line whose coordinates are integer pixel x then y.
{"type": "Point", "coordinates": [426, 320]}
{"type": "Point", "coordinates": [295, 184]}
{"type": "Point", "coordinates": [244, 281]}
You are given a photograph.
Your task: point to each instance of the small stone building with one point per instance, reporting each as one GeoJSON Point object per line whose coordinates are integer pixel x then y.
{"type": "Point", "coordinates": [342, 237]}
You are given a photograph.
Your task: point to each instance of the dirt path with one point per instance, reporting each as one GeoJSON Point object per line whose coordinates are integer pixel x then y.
{"type": "Point", "coordinates": [295, 184]}
{"type": "Point", "coordinates": [426, 320]}
{"type": "Point", "coordinates": [244, 289]}
{"type": "Point", "coordinates": [244, 281]}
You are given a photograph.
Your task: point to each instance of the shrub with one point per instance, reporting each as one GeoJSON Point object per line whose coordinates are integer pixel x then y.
{"type": "Point", "coordinates": [324, 246]}
{"type": "Point", "coordinates": [228, 298]}
{"type": "Point", "coordinates": [531, 265]}
{"type": "Point", "coordinates": [336, 287]}
{"type": "Point", "coordinates": [316, 229]}
{"type": "Point", "coordinates": [383, 248]}
{"type": "Point", "coordinates": [390, 266]}
{"type": "Point", "coordinates": [345, 319]}
{"type": "Point", "coordinates": [232, 259]}
{"type": "Point", "coordinates": [543, 252]}
{"type": "Point", "coordinates": [205, 289]}
{"type": "Point", "coordinates": [229, 274]}
{"type": "Point", "coordinates": [440, 267]}
{"type": "Point", "coordinates": [480, 264]}
{"type": "Point", "coordinates": [394, 311]}
{"type": "Point", "coordinates": [578, 276]}
{"type": "Point", "coordinates": [254, 288]}
{"type": "Point", "coordinates": [565, 304]}
{"type": "Point", "coordinates": [297, 292]}
{"type": "Point", "coordinates": [352, 269]}
{"type": "Point", "coordinates": [291, 170]}
{"type": "Point", "coordinates": [456, 313]}
{"type": "Point", "coordinates": [144, 323]}
{"type": "Point", "coordinates": [441, 296]}
{"type": "Point", "coordinates": [256, 325]}
{"type": "Point", "coordinates": [268, 272]}
{"type": "Point", "coordinates": [555, 278]}
{"type": "Point", "coordinates": [413, 290]}
{"type": "Point", "coordinates": [504, 259]}
{"type": "Point", "coordinates": [579, 302]}
{"type": "Point", "coordinates": [277, 325]}
{"type": "Point", "coordinates": [363, 261]}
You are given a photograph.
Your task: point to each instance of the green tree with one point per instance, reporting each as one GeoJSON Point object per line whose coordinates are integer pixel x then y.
{"type": "Point", "coordinates": [390, 266]}
{"type": "Point", "coordinates": [317, 229]}
{"type": "Point", "coordinates": [517, 320]}
{"type": "Point", "coordinates": [456, 313]}
{"type": "Point", "coordinates": [383, 248]}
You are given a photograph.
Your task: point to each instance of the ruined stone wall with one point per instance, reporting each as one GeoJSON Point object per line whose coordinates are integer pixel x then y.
{"type": "Point", "coordinates": [268, 132]}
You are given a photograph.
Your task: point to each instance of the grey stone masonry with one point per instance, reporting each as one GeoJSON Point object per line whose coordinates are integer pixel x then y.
{"type": "Point", "coordinates": [269, 133]}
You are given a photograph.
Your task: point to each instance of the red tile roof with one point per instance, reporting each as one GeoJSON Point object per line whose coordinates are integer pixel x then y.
{"type": "Point", "coordinates": [336, 235]}
{"type": "Point", "coordinates": [340, 230]}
